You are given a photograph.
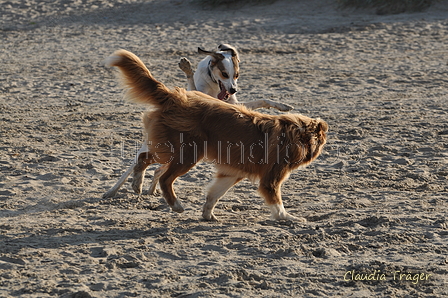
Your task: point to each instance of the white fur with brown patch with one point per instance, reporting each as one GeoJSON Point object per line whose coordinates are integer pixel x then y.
{"type": "Point", "coordinates": [217, 75]}
{"type": "Point", "coordinates": [214, 69]}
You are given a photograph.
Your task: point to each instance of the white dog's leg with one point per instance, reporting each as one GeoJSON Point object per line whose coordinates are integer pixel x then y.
{"type": "Point", "coordinates": [113, 191]}
{"type": "Point", "coordinates": [232, 99]}
{"type": "Point", "coordinates": [139, 174]}
{"type": "Point", "coordinates": [185, 66]}
{"type": "Point", "coordinates": [155, 180]}
{"type": "Point", "coordinates": [217, 189]}
{"type": "Point", "coordinates": [266, 103]}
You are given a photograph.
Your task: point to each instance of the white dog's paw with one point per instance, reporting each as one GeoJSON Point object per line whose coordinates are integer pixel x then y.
{"type": "Point", "coordinates": [185, 66]}
{"type": "Point", "coordinates": [283, 107]}
{"type": "Point", "coordinates": [110, 194]}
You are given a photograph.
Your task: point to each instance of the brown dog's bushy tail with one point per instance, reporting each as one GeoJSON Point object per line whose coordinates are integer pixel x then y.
{"type": "Point", "coordinates": [142, 86]}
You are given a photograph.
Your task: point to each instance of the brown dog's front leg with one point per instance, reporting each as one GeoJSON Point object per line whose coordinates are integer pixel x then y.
{"type": "Point", "coordinates": [269, 188]}
{"type": "Point", "coordinates": [219, 187]}
{"type": "Point", "coordinates": [173, 171]}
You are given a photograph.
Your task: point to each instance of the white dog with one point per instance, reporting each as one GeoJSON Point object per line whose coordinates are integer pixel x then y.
{"type": "Point", "coordinates": [216, 75]}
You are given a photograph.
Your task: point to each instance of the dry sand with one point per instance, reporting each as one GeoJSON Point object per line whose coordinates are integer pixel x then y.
{"type": "Point", "coordinates": [376, 200]}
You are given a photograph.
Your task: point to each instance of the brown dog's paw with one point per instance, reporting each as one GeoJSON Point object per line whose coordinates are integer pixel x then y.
{"type": "Point", "coordinates": [177, 207]}
{"type": "Point", "coordinates": [210, 217]}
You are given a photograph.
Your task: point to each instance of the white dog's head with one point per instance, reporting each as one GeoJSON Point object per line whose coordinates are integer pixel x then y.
{"type": "Point", "coordinates": [224, 69]}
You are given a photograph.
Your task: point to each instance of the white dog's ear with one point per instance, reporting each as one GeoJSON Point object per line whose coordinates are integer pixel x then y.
{"type": "Point", "coordinates": [202, 51]}
{"type": "Point", "coordinates": [232, 50]}
{"type": "Point", "coordinates": [216, 56]}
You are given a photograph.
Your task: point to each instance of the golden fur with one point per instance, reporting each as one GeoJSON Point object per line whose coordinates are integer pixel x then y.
{"type": "Point", "coordinates": [183, 127]}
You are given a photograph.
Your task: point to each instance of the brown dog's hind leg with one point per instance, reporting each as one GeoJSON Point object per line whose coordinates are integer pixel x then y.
{"type": "Point", "coordinates": [155, 180]}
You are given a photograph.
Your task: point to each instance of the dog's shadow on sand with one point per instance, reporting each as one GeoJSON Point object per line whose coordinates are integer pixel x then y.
{"type": "Point", "coordinates": [98, 229]}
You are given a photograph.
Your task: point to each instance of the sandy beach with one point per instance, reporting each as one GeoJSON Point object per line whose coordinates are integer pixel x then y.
{"type": "Point", "coordinates": [375, 200]}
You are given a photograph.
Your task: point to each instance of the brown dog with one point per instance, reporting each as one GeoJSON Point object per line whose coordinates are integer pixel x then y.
{"type": "Point", "coordinates": [184, 127]}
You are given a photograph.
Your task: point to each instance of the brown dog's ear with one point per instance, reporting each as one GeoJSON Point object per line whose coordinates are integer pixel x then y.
{"type": "Point", "coordinates": [232, 50]}
{"type": "Point", "coordinates": [216, 56]}
{"type": "Point", "coordinates": [322, 126]}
